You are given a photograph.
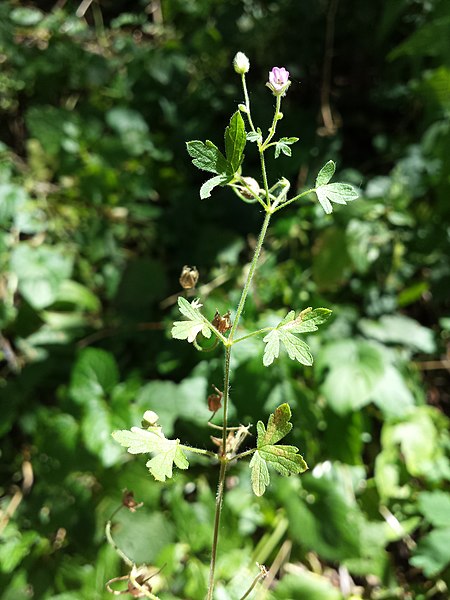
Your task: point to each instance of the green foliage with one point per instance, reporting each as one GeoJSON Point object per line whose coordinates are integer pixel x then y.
{"type": "Point", "coordinates": [284, 459]}
{"type": "Point", "coordinates": [207, 157]}
{"type": "Point", "coordinates": [307, 321]}
{"type": "Point", "coordinates": [152, 440]}
{"type": "Point", "coordinates": [196, 323]}
{"type": "Point", "coordinates": [99, 211]}
{"type": "Point", "coordinates": [283, 146]}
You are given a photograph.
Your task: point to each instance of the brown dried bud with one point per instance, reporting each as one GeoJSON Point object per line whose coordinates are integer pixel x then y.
{"type": "Point", "coordinates": [189, 277]}
{"type": "Point", "coordinates": [222, 323]}
{"type": "Point", "coordinates": [215, 400]}
{"type": "Point", "coordinates": [129, 502]}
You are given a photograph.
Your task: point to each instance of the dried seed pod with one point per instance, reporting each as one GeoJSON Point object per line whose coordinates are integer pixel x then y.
{"type": "Point", "coordinates": [189, 277]}
{"type": "Point", "coordinates": [129, 502]}
{"type": "Point", "coordinates": [222, 323]}
{"type": "Point", "coordinates": [215, 400]}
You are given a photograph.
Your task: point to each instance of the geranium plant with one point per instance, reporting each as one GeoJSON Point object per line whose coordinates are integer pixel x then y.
{"type": "Point", "coordinates": [226, 168]}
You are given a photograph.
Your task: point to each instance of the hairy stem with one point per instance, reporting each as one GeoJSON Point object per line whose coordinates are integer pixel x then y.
{"type": "Point", "coordinates": [251, 272]}
{"type": "Point", "coordinates": [226, 392]}
{"type": "Point", "coordinates": [219, 501]}
{"type": "Point", "coordinates": [247, 102]}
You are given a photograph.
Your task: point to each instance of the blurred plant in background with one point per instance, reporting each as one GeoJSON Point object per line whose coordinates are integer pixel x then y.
{"type": "Point", "coordinates": [94, 111]}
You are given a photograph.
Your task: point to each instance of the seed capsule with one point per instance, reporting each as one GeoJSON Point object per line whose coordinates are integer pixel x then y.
{"type": "Point", "coordinates": [189, 277]}
{"type": "Point", "coordinates": [222, 323]}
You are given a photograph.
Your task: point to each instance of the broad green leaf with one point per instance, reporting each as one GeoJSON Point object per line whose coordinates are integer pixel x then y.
{"type": "Point", "coordinates": [210, 184]}
{"type": "Point", "coordinates": [152, 440]}
{"type": "Point", "coordinates": [355, 369]}
{"type": "Point", "coordinates": [95, 374]}
{"type": "Point", "coordinates": [325, 173]}
{"type": "Point", "coordinates": [206, 156]}
{"type": "Point", "coordinates": [432, 554]}
{"type": "Point", "coordinates": [307, 321]}
{"type": "Point", "coordinates": [307, 586]}
{"type": "Point", "coordinates": [392, 395]}
{"type": "Point", "coordinates": [284, 459]}
{"type": "Point", "coordinates": [196, 323]}
{"type": "Point", "coordinates": [15, 546]}
{"type": "Point", "coordinates": [41, 271]}
{"type": "Point", "coordinates": [340, 193]}
{"type": "Point", "coordinates": [283, 146]}
{"type": "Point", "coordinates": [435, 506]}
{"type": "Point", "coordinates": [235, 140]}
{"type": "Point", "coordinates": [399, 329]}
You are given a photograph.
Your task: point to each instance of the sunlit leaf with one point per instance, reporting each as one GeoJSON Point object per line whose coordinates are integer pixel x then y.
{"type": "Point", "coordinates": [284, 459]}
{"type": "Point", "coordinates": [307, 321]}
{"type": "Point", "coordinates": [196, 323]}
{"type": "Point", "coordinates": [152, 440]}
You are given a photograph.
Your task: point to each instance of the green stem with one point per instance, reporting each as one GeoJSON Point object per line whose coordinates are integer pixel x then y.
{"type": "Point", "coordinates": [222, 473]}
{"type": "Point", "coordinates": [275, 208]}
{"type": "Point", "coordinates": [243, 454]}
{"type": "Point", "coordinates": [226, 392]}
{"type": "Point", "coordinates": [257, 579]}
{"type": "Point", "coordinates": [198, 451]}
{"type": "Point", "coordinates": [249, 335]}
{"type": "Point", "coordinates": [219, 501]}
{"type": "Point", "coordinates": [251, 272]}
{"type": "Point", "coordinates": [247, 102]}
{"type": "Point", "coordinates": [273, 127]}
{"type": "Point", "coordinates": [264, 174]}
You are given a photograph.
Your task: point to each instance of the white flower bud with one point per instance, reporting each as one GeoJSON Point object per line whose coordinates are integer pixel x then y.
{"type": "Point", "coordinates": [241, 63]}
{"type": "Point", "coordinates": [150, 418]}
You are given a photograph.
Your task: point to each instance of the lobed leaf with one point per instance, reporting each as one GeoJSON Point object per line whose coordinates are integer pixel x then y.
{"type": "Point", "coordinates": [196, 323]}
{"type": "Point", "coordinates": [254, 136]}
{"type": "Point", "coordinates": [283, 146]}
{"type": "Point", "coordinates": [306, 322]}
{"type": "Point", "coordinates": [152, 440]}
{"type": "Point", "coordinates": [325, 173]}
{"type": "Point", "coordinates": [340, 193]}
{"type": "Point", "coordinates": [284, 459]}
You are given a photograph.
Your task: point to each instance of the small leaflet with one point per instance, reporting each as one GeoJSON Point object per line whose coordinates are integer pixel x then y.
{"type": "Point", "coordinates": [284, 335]}
{"type": "Point", "coordinates": [195, 323]}
{"type": "Point", "coordinates": [284, 459]}
{"type": "Point", "coordinates": [152, 440]}
{"type": "Point", "coordinates": [339, 193]}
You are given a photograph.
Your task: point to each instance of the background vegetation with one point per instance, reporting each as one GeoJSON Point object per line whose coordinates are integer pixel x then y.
{"type": "Point", "coordinates": [99, 210]}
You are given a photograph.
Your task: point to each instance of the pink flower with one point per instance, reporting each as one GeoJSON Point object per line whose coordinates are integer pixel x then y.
{"type": "Point", "coordinates": [278, 81]}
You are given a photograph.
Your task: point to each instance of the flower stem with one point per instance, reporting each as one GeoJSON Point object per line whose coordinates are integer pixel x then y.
{"type": "Point", "coordinates": [249, 335]}
{"type": "Point", "coordinates": [247, 102]}
{"type": "Point", "coordinates": [251, 272]}
{"type": "Point", "coordinates": [305, 193]}
{"type": "Point", "coordinates": [226, 392]}
{"type": "Point", "coordinates": [273, 127]}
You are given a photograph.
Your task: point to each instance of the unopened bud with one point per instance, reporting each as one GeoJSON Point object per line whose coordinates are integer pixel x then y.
{"type": "Point", "coordinates": [189, 277]}
{"type": "Point", "coordinates": [149, 419]}
{"type": "Point", "coordinates": [241, 63]}
{"type": "Point", "coordinates": [253, 185]}
{"type": "Point", "coordinates": [243, 108]}
{"type": "Point", "coordinates": [222, 323]}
